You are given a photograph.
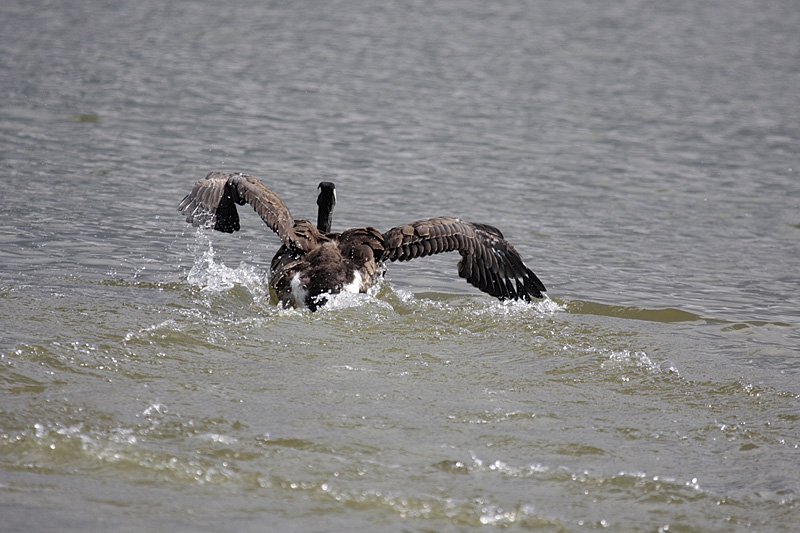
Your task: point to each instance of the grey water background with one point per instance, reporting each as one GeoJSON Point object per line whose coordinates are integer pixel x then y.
{"type": "Point", "coordinates": [641, 155]}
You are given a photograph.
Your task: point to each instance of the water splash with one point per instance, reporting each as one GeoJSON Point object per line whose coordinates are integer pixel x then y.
{"type": "Point", "coordinates": [640, 359]}
{"type": "Point", "coordinates": [214, 276]}
{"type": "Point", "coordinates": [345, 300]}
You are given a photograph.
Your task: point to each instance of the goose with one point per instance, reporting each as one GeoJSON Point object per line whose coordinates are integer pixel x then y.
{"type": "Point", "coordinates": [313, 262]}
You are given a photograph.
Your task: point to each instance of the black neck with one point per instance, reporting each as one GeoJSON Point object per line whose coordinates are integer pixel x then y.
{"type": "Point", "coordinates": [324, 217]}
{"type": "Point", "coordinates": [326, 199]}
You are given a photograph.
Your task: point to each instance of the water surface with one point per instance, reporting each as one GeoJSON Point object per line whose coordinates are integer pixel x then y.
{"type": "Point", "coordinates": [642, 156]}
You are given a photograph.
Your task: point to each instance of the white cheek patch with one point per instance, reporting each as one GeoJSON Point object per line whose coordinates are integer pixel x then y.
{"type": "Point", "coordinates": [355, 285]}
{"type": "Point", "coordinates": [299, 292]}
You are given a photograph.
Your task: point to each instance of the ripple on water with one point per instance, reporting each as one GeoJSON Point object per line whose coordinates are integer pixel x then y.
{"type": "Point", "coordinates": [149, 452]}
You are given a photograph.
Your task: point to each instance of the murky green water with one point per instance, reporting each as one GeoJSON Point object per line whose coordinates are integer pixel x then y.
{"type": "Point", "coordinates": [641, 156]}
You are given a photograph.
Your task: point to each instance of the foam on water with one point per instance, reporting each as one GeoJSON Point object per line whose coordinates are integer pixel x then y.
{"type": "Point", "coordinates": [512, 308]}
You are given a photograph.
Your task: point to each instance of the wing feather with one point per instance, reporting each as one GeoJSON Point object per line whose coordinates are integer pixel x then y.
{"type": "Point", "coordinates": [488, 261]}
{"type": "Point", "coordinates": [214, 198]}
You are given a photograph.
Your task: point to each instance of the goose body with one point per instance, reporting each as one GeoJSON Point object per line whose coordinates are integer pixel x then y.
{"type": "Point", "coordinates": [313, 262]}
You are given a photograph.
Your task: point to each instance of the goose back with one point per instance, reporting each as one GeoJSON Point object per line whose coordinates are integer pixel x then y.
{"type": "Point", "coordinates": [347, 261]}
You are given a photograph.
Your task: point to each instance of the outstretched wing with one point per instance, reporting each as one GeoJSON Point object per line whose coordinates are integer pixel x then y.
{"type": "Point", "coordinates": [213, 201]}
{"type": "Point", "coordinates": [488, 261]}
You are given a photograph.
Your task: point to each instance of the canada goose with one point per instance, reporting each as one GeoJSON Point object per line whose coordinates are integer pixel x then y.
{"type": "Point", "coordinates": [313, 262]}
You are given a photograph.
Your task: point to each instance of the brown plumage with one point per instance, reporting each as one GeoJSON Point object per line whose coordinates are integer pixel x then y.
{"type": "Point", "coordinates": [313, 262]}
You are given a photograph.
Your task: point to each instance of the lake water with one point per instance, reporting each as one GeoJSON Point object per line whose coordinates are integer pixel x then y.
{"type": "Point", "coordinates": [643, 157]}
